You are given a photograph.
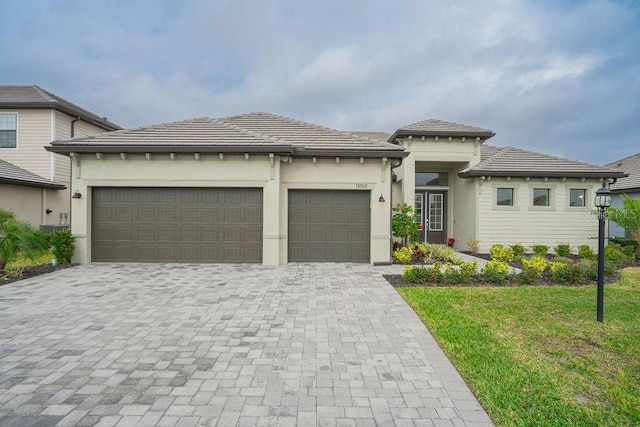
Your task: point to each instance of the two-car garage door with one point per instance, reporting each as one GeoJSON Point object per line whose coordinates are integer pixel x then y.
{"type": "Point", "coordinates": [225, 225]}
{"type": "Point", "coordinates": [177, 224]}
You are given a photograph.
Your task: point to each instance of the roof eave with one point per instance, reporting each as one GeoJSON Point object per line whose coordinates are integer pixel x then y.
{"type": "Point", "coordinates": [375, 153]}
{"type": "Point", "coordinates": [104, 124]}
{"type": "Point", "coordinates": [66, 149]}
{"type": "Point", "coordinates": [625, 190]}
{"type": "Point", "coordinates": [541, 174]}
{"type": "Point", "coordinates": [52, 185]}
{"type": "Point", "coordinates": [454, 134]}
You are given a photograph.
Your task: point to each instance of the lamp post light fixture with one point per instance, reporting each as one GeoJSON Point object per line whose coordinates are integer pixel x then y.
{"type": "Point", "coordinates": [602, 202]}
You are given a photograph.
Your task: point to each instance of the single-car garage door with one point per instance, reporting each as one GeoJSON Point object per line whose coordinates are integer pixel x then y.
{"type": "Point", "coordinates": [177, 224]}
{"type": "Point", "coordinates": [329, 225]}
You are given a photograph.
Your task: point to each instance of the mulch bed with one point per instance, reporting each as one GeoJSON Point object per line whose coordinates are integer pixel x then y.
{"type": "Point", "coordinates": [29, 272]}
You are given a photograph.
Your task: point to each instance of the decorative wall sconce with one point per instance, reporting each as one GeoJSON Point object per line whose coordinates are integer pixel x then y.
{"type": "Point", "coordinates": [381, 199]}
{"type": "Point", "coordinates": [76, 195]}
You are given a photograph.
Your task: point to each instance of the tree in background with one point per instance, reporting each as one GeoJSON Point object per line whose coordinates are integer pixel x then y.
{"type": "Point", "coordinates": [628, 217]}
{"type": "Point", "coordinates": [17, 238]}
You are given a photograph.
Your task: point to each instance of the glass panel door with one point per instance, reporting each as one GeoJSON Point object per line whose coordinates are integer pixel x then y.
{"type": "Point", "coordinates": [436, 206]}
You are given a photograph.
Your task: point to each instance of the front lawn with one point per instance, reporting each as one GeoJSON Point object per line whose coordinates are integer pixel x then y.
{"type": "Point", "coordinates": [537, 355]}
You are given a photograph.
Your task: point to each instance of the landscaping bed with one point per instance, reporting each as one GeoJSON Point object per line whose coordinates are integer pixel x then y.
{"type": "Point", "coordinates": [29, 272]}
{"type": "Point", "coordinates": [438, 266]}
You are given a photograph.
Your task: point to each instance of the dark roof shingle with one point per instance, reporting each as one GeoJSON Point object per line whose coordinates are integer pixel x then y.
{"type": "Point", "coordinates": [22, 96]}
{"type": "Point", "coordinates": [253, 132]}
{"type": "Point", "coordinates": [511, 161]}
{"type": "Point", "coordinates": [432, 127]}
{"type": "Point", "coordinates": [12, 174]}
{"type": "Point", "coordinates": [631, 165]}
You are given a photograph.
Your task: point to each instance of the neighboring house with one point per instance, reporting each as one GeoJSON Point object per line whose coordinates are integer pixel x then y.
{"type": "Point", "coordinates": [34, 183]}
{"type": "Point", "coordinates": [629, 185]}
{"type": "Point", "coordinates": [263, 188]}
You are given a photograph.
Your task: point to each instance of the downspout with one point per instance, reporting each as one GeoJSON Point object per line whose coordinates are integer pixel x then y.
{"type": "Point", "coordinates": [391, 181]}
{"type": "Point", "coordinates": [73, 126]}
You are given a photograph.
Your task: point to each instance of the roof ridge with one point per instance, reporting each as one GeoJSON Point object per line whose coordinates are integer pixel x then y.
{"type": "Point", "coordinates": [308, 124]}
{"type": "Point", "coordinates": [251, 132]}
{"type": "Point", "coordinates": [48, 96]}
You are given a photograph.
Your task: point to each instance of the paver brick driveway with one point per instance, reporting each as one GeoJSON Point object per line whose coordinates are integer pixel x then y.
{"type": "Point", "coordinates": [149, 344]}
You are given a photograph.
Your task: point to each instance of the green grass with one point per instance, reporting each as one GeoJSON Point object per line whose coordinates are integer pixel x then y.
{"type": "Point", "coordinates": [536, 356]}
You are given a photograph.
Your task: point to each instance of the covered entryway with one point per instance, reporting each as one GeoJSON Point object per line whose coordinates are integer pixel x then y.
{"type": "Point", "coordinates": [177, 224]}
{"type": "Point", "coordinates": [329, 225]}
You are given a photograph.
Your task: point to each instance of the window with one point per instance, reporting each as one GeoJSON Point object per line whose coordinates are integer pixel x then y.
{"type": "Point", "coordinates": [432, 178]}
{"type": "Point", "coordinates": [577, 197]}
{"type": "Point", "coordinates": [505, 197]}
{"type": "Point", "coordinates": [541, 196]}
{"type": "Point", "coordinates": [8, 128]}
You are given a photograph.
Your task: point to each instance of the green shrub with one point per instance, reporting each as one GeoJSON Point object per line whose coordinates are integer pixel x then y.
{"type": "Point", "coordinates": [468, 271]}
{"type": "Point", "coordinates": [563, 250]}
{"type": "Point", "coordinates": [403, 255]}
{"type": "Point", "coordinates": [563, 260]}
{"type": "Point", "coordinates": [625, 243]}
{"type": "Point", "coordinates": [613, 252]}
{"type": "Point", "coordinates": [590, 268]}
{"type": "Point", "coordinates": [496, 271]}
{"type": "Point", "coordinates": [501, 253]}
{"type": "Point", "coordinates": [568, 274]}
{"type": "Point", "coordinates": [518, 250]}
{"type": "Point", "coordinates": [441, 253]}
{"type": "Point", "coordinates": [64, 245]}
{"type": "Point", "coordinates": [540, 250]}
{"type": "Point", "coordinates": [585, 252]}
{"type": "Point", "coordinates": [473, 245]}
{"type": "Point", "coordinates": [419, 274]}
{"type": "Point", "coordinates": [532, 269]}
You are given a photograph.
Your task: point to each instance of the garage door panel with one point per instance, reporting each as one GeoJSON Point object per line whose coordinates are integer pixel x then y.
{"type": "Point", "coordinates": [329, 225]}
{"type": "Point", "coordinates": [177, 225]}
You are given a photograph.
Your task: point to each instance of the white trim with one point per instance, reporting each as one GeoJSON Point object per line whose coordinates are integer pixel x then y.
{"type": "Point", "coordinates": [52, 137]}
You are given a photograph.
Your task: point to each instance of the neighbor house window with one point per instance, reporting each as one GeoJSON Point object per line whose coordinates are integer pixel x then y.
{"type": "Point", "coordinates": [8, 130]}
{"type": "Point", "coordinates": [541, 196]}
{"type": "Point", "coordinates": [577, 197]}
{"type": "Point", "coordinates": [505, 197]}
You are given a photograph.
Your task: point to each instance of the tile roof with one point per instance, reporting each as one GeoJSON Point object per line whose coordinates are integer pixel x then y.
{"type": "Point", "coordinates": [12, 174]}
{"type": "Point", "coordinates": [511, 161]}
{"type": "Point", "coordinates": [630, 165]}
{"type": "Point", "coordinates": [22, 96]}
{"type": "Point", "coordinates": [432, 127]}
{"type": "Point", "coordinates": [253, 132]}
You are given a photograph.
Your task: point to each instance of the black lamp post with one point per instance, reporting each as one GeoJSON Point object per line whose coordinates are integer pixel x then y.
{"type": "Point", "coordinates": [602, 202]}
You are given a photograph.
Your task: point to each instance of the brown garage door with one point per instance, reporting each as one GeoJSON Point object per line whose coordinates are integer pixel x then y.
{"type": "Point", "coordinates": [177, 224]}
{"type": "Point", "coordinates": [329, 225]}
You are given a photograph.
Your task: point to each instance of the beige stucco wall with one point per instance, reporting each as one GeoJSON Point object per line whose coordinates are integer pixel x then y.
{"type": "Point", "coordinates": [258, 171]}
{"type": "Point", "coordinates": [30, 204]}
{"type": "Point", "coordinates": [528, 224]}
{"type": "Point", "coordinates": [371, 175]}
{"type": "Point", "coordinates": [24, 202]}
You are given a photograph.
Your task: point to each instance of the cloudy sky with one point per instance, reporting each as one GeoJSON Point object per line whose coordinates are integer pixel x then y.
{"type": "Point", "coordinates": [557, 76]}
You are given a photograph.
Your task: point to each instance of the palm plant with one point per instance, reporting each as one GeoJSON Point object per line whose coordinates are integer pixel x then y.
{"type": "Point", "coordinates": [17, 237]}
{"type": "Point", "coordinates": [628, 217]}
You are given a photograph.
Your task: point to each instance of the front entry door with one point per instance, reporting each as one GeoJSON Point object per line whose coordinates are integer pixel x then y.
{"type": "Point", "coordinates": [431, 209]}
